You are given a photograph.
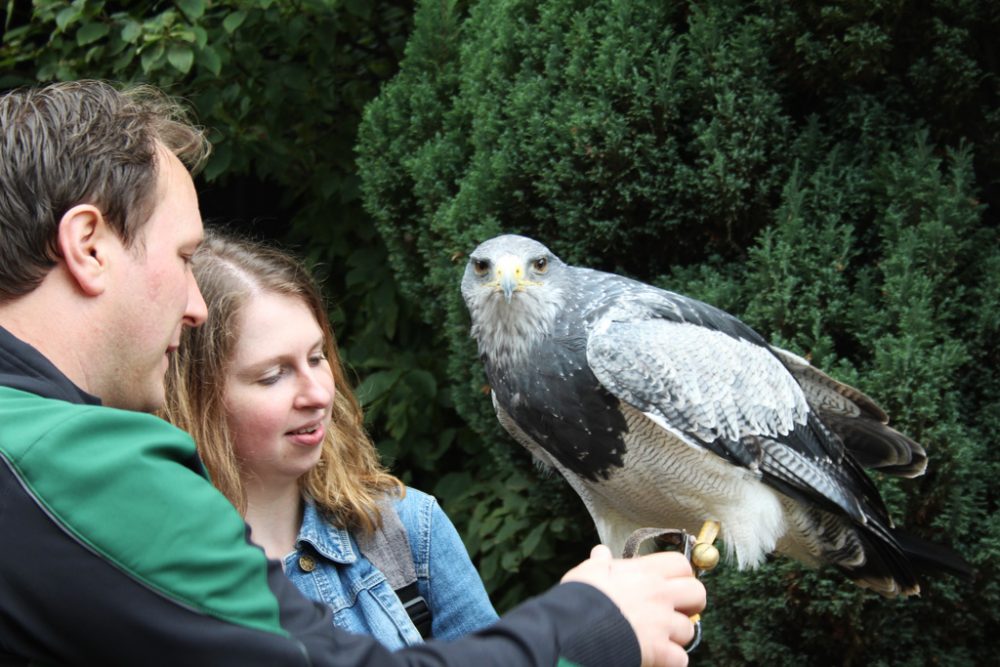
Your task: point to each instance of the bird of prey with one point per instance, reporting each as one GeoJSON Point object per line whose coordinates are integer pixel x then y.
{"type": "Point", "coordinates": [663, 411]}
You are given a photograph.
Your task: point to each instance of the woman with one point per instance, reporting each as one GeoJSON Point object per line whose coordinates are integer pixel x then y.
{"type": "Point", "coordinates": [262, 389]}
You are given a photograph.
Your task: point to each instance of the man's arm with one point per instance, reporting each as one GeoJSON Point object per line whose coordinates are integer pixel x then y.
{"type": "Point", "coordinates": [117, 551]}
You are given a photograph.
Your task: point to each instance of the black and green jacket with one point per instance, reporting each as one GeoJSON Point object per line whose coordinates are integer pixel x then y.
{"type": "Point", "coordinates": [115, 549]}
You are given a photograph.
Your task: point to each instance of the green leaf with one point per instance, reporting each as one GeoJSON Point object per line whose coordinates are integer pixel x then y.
{"type": "Point", "coordinates": [376, 385]}
{"type": "Point", "coordinates": [66, 17]}
{"type": "Point", "coordinates": [185, 35]}
{"type": "Point", "coordinates": [151, 57]}
{"type": "Point", "coordinates": [200, 36]}
{"type": "Point", "coordinates": [534, 537]}
{"type": "Point", "coordinates": [181, 57]}
{"type": "Point", "coordinates": [508, 529]}
{"type": "Point", "coordinates": [131, 31]}
{"type": "Point", "coordinates": [232, 22]}
{"type": "Point", "coordinates": [219, 161]}
{"type": "Point", "coordinates": [423, 382]}
{"type": "Point", "coordinates": [209, 59]}
{"type": "Point", "coordinates": [91, 32]}
{"type": "Point", "coordinates": [123, 62]}
{"type": "Point", "coordinates": [511, 561]}
{"type": "Point", "coordinates": [453, 486]}
{"type": "Point", "coordinates": [193, 9]}
{"type": "Point", "coordinates": [488, 566]}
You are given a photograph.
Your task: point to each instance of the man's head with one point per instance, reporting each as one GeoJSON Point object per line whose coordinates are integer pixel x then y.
{"type": "Point", "coordinates": [98, 221]}
{"type": "Point", "coordinates": [82, 142]}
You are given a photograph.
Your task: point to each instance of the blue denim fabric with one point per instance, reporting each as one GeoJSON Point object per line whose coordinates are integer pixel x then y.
{"type": "Point", "coordinates": [359, 595]}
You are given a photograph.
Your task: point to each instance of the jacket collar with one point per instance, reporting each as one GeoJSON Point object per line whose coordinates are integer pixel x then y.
{"type": "Point", "coordinates": [25, 368]}
{"type": "Point", "coordinates": [326, 539]}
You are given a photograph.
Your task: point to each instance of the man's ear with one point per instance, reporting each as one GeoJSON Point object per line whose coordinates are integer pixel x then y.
{"type": "Point", "coordinates": [85, 241]}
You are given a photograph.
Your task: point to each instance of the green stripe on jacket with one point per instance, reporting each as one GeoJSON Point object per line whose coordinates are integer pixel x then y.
{"type": "Point", "coordinates": [120, 483]}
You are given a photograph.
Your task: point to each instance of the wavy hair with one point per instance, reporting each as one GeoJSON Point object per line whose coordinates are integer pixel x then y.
{"type": "Point", "coordinates": [349, 480]}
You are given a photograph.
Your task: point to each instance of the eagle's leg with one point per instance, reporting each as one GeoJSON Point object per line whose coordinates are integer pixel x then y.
{"type": "Point", "coordinates": [700, 551]}
{"type": "Point", "coordinates": [664, 538]}
{"type": "Point", "coordinates": [704, 555]}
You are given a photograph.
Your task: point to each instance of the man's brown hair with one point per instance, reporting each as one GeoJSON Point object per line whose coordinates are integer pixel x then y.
{"type": "Point", "coordinates": [81, 142]}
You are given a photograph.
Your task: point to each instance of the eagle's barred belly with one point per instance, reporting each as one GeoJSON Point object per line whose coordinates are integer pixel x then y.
{"type": "Point", "coordinates": [670, 484]}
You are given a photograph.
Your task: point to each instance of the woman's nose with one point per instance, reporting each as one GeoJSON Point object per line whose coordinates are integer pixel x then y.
{"type": "Point", "coordinates": [316, 391]}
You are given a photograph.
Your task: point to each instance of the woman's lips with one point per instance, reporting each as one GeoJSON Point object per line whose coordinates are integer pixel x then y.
{"type": "Point", "coordinates": [306, 437]}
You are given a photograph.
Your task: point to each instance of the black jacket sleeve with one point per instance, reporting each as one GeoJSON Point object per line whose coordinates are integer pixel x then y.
{"type": "Point", "coordinates": [61, 602]}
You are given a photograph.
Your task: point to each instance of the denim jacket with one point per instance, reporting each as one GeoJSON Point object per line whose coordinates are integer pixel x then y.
{"type": "Point", "coordinates": [328, 567]}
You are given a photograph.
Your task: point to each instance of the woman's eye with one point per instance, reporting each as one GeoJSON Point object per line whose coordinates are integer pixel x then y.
{"type": "Point", "coordinates": [541, 265]}
{"type": "Point", "coordinates": [316, 360]}
{"type": "Point", "coordinates": [272, 378]}
{"type": "Point", "coordinates": [480, 266]}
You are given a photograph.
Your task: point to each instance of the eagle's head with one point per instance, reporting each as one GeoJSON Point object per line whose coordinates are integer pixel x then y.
{"type": "Point", "coordinates": [514, 288]}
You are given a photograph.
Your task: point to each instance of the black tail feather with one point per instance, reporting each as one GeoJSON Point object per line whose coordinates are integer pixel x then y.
{"type": "Point", "coordinates": [930, 558]}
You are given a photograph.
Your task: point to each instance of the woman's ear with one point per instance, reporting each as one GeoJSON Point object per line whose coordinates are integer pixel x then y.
{"type": "Point", "coordinates": [83, 241]}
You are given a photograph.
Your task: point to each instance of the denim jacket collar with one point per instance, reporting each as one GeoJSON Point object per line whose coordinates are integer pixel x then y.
{"type": "Point", "coordinates": [328, 541]}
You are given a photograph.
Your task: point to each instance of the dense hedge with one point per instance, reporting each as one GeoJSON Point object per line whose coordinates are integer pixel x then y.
{"type": "Point", "coordinates": [826, 171]}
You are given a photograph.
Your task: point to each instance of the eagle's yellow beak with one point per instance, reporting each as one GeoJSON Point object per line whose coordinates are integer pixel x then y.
{"type": "Point", "coordinates": [509, 274]}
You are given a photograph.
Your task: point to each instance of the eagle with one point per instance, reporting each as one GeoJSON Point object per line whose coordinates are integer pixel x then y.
{"type": "Point", "coordinates": [660, 410]}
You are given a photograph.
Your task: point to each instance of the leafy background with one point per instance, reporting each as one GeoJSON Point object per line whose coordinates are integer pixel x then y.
{"type": "Point", "coordinates": [827, 171]}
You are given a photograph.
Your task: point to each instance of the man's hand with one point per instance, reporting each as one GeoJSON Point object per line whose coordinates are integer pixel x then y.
{"type": "Point", "coordinates": [657, 594]}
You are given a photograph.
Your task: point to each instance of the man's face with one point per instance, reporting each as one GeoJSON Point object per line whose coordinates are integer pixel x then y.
{"type": "Point", "coordinates": [156, 293]}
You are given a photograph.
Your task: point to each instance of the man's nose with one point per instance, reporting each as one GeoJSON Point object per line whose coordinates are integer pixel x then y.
{"type": "Point", "coordinates": [197, 311]}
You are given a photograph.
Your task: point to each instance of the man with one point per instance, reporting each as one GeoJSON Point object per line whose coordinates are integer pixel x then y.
{"type": "Point", "coordinates": [116, 549]}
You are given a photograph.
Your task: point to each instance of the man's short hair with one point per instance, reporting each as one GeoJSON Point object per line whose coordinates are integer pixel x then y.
{"type": "Point", "coordinates": [80, 142]}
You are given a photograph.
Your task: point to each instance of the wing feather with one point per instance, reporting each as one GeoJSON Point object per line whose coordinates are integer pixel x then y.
{"type": "Point", "coordinates": [710, 385]}
{"type": "Point", "coordinates": [732, 396]}
{"type": "Point", "coordinates": [860, 423]}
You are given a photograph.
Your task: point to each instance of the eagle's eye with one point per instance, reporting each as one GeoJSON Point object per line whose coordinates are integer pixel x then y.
{"type": "Point", "coordinates": [480, 266]}
{"type": "Point", "coordinates": [540, 265]}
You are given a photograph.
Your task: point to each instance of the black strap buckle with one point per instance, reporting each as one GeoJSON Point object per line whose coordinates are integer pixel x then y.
{"type": "Point", "coordinates": [417, 608]}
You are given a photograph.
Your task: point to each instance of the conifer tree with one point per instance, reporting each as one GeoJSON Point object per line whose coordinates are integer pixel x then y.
{"type": "Point", "coordinates": [824, 170]}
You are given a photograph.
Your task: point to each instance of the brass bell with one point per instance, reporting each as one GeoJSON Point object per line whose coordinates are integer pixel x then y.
{"type": "Point", "coordinates": [704, 556]}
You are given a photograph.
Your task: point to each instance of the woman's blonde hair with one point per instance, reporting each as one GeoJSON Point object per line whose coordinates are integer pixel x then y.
{"type": "Point", "coordinates": [349, 480]}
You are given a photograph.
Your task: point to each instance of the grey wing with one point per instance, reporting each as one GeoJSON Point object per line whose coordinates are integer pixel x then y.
{"type": "Point", "coordinates": [729, 395]}
{"type": "Point", "coordinates": [861, 424]}
{"type": "Point", "coordinates": [705, 383]}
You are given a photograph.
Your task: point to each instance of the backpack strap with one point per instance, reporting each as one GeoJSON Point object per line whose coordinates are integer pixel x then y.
{"type": "Point", "coordinates": [388, 549]}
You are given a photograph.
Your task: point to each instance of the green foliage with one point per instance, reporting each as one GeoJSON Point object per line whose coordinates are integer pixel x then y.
{"type": "Point", "coordinates": [825, 170]}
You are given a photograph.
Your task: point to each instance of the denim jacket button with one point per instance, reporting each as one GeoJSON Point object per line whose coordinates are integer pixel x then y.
{"type": "Point", "coordinates": [307, 563]}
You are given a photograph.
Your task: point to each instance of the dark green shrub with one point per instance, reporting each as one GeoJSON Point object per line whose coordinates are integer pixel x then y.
{"type": "Point", "coordinates": [823, 170]}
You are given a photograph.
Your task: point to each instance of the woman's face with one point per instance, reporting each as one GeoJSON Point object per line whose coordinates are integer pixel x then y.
{"type": "Point", "coordinates": [279, 390]}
